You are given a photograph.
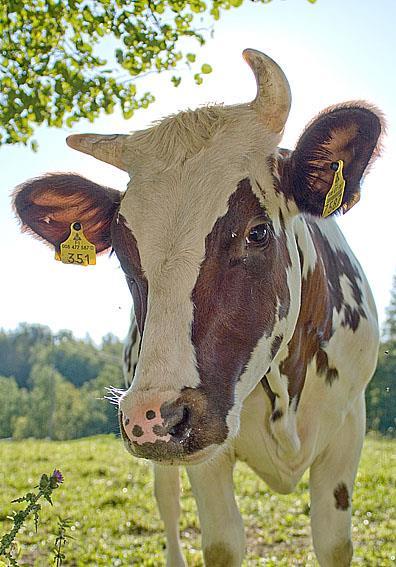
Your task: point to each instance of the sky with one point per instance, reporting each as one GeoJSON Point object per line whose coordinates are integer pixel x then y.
{"type": "Point", "coordinates": [331, 51]}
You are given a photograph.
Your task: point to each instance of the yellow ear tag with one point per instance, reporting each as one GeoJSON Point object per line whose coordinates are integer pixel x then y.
{"type": "Point", "coordinates": [334, 196]}
{"type": "Point", "coordinates": [76, 249]}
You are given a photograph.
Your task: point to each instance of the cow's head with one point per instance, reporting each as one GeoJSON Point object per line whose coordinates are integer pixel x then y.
{"type": "Point", "coordinates": [205, 236]}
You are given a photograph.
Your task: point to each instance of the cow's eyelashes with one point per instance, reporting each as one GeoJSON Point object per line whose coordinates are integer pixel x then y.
{"type": "Point", "coordinates": [258, 235]}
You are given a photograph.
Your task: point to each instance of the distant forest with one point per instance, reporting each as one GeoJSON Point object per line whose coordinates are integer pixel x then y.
{"type": "Point", "coordinates": [52, 385]}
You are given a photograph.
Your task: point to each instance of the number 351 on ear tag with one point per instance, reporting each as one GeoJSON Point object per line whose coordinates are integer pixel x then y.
{"type": "Point", "coordinates": [76, 249]}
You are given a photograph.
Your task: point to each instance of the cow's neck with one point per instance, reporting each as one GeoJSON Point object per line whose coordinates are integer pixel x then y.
{"type": "Point", "coordinates": [285, 379]}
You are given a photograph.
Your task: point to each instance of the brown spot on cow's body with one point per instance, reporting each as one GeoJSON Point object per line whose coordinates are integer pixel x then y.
{"type": "Point", "coordinates": [313, 325]}
{"type": "Point", "coordinates": [321, 294]}
{"type": "Point", "coordinates": [268, 391]}
{"type": "Point", "coordinates": [277, 414]}
{"type": "Point", "coordinates": [331, 375]}
{"type": "Point", "coordinates": [341, 496]}
{"type": "Point", "coordinates": [352, 317]}
{"type": "Point", "coordinates": [337, 263]}
{"type": "Point", "coordinates": [322, 366]}
{"type": "Point", "coordinates": [276, 343]}
{"type": "Point", "coordinates": [236, 295]}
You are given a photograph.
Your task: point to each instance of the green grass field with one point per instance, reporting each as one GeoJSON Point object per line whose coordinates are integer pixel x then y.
{"type": "Point", "coordinates": [108, 496]}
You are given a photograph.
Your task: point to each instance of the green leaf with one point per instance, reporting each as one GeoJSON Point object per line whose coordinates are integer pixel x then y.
{"type": "Point", "coordinates": [176, 81]}
{"type": "Point", "coordinates": [198, 79]}
{"type": "Point", "coordinates": [206, 69]}
{"type": "Point", "coordinates": [128, 113]}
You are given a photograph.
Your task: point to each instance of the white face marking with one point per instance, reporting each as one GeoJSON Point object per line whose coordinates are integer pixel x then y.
{"type": "Point", "coordinates": [170, 209]}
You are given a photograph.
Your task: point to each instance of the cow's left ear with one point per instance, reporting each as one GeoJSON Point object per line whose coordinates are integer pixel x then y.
{"type": "Point", "coordinates": [350, 133]}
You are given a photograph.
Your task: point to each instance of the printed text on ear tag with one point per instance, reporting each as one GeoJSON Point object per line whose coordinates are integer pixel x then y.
{"type": "Point", "coordinates": [76, 249]}
{"type": "Point", "coordinates": [334, 196]}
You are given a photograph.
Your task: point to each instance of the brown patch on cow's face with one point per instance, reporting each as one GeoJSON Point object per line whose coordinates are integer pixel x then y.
{"type": "Point", "coordinates": [236, 296]}
{"type": "Point", "coordinates": [125, 246]}
{"type": "Point", "coordinates": [341, 496]}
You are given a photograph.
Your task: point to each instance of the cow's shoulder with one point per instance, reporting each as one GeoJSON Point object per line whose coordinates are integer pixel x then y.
{"type": "Point", "coordinates": [336, 305]}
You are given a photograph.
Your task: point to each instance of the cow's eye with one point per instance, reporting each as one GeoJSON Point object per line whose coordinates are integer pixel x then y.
{"type": "Point", "coordinates": [258, 235]}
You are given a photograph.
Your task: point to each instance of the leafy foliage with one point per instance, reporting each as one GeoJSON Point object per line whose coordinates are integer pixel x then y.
{"type": "Point", "coordinates": [52, 70]}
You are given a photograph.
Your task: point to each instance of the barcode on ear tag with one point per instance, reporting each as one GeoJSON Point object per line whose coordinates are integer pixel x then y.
{"type": "Point", "coordinates": [76, 249]}
{"type": "Point", "coordinates": [334, 196]}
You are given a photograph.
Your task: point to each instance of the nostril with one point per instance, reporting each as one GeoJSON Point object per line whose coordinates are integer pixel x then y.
{"type": "Point", "coordinates": [137, 431]}
{"type": "Point", "coordinates": [180, 429]}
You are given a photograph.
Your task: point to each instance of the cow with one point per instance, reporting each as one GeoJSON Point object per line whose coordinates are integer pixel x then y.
{"type": "Point", "coordinates": [256, 332]}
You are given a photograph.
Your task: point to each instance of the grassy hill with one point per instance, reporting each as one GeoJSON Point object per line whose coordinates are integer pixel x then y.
{"type": "Point", "coordinates": [108, 496]}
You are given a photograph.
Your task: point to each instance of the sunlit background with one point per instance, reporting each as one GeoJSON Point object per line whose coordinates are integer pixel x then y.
{"type": "Point", "coordinates": [331, 51]}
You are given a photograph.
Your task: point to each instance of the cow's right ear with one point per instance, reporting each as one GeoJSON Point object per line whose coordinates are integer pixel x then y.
{"type": "Point", "coordinates": [48, 205]}
{"type": "Point", "coordinates": [349, 133]}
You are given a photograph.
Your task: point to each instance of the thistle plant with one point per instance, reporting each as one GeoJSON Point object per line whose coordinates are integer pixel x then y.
{"type": "Point", "coordinates": [45, 488]}
{"type": "Point", "coordinates": [61, 540]}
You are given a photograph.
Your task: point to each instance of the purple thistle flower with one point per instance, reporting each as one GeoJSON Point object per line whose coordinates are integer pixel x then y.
{"type": "Point", "coordinates": [58, 476]}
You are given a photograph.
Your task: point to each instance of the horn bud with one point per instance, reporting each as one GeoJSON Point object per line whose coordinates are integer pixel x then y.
{"type": "Point", "coordinates": [108, 148]}
{"type": "Point", "coordinates": [273, 99]}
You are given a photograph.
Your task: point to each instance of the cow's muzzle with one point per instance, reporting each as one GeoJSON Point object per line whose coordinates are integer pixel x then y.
{"type": "Point", "coordinates": [170, 427]}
